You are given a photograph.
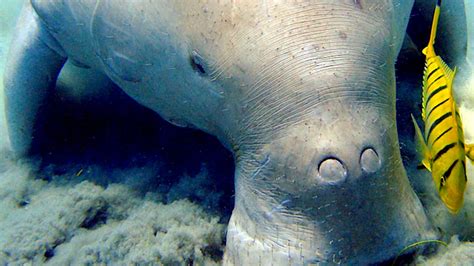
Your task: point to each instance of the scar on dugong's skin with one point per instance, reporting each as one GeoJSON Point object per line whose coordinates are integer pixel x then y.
{"type": "Point", "coordinates": [302, 93]}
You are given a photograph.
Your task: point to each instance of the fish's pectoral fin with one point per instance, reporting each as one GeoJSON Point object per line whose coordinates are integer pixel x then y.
{"type": "Point", "coordinates": [469, 148]}
{"type": "Point", "coordinates": [421, 166]}
{"type": "Point", "coordinates": [421, 148]}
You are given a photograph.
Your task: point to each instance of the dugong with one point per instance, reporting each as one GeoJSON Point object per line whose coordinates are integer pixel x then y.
{"type": "Point", "coordinates": [301, 92]}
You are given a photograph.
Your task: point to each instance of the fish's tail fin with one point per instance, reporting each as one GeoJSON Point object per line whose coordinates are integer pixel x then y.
{"type": "Point", "coordinates": [429, 50]}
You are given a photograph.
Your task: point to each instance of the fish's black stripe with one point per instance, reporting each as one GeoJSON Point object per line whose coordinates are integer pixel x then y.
{"type": "Point", "coordinates": [442, 134]}
{"type": "Point", "coordinates": [432, 62]}
{"type": "Point", "coordinates": [429, 64]}
{"type": "Point", "coordinates": [435, 92]}
{"type": "Point", "coordinates": [437, 122]}
{"type": "Point", "coordinates": [438, 105]}
{"type": "Point", "coordinates": [431, 73]}
{"type": "Point", "coordinates": [434, 81]}
{"type": "Point", "coordinates": [464, 170]}
{"type": "Point", "coordinates": [444, 150]}
{"type": "Point", "coordinates": [450, 169]}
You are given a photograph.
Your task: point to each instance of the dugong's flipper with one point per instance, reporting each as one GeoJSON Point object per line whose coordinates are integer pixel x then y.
{"type": "Point", "coordinates": [33, 65]}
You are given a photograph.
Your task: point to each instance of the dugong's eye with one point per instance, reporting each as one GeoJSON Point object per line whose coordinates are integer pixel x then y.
{"type": "Point", "coordinates": [198, 64]}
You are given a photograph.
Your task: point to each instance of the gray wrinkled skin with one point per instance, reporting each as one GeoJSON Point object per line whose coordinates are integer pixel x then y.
{"type": "Point", "coordinates": [302, 92]}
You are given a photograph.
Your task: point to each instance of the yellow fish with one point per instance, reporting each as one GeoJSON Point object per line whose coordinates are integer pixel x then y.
{"type": "Point", "coordinates": [442, 147]}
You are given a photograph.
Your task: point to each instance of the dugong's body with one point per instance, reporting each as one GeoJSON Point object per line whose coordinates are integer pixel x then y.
{"type": "Point", "coordinates": [302, 93]}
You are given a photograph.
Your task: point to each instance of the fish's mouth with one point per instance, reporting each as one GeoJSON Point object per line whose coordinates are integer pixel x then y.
{"type": "Point", "coordinates": [453, 204]}
{"type": "Point", "coordinates": [452, 209]}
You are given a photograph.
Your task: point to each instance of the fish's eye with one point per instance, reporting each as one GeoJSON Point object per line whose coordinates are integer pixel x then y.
{"type": "Point", "coordinates": [443, 181]}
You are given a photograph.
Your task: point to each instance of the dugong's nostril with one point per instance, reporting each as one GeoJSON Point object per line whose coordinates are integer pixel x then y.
{"type": "Point", "coordinates": [332, 170]}
{"type": "Point", "coordinates": [369, 160]}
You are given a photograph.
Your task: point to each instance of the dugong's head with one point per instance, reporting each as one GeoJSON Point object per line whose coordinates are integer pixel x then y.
{"type": "Point", "coordinates": [309, 112]}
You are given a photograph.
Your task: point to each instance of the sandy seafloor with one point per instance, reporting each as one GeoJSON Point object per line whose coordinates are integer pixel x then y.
{"type": "Point", "coordinates": [117, 185]}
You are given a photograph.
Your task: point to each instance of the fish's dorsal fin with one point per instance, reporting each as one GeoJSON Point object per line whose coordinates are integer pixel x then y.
{"type": "Point", "coordinates": [423, 112]}
{"type": "Point", "coordinates": [423, 103]}
{"type": "Point", "coordinates": [421, 148]}
{"type": "Point", "coordinates": [429, 49]}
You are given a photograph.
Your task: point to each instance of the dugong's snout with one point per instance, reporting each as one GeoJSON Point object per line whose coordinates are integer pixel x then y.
{"type": "Point", "coordinates": [338, 189]}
